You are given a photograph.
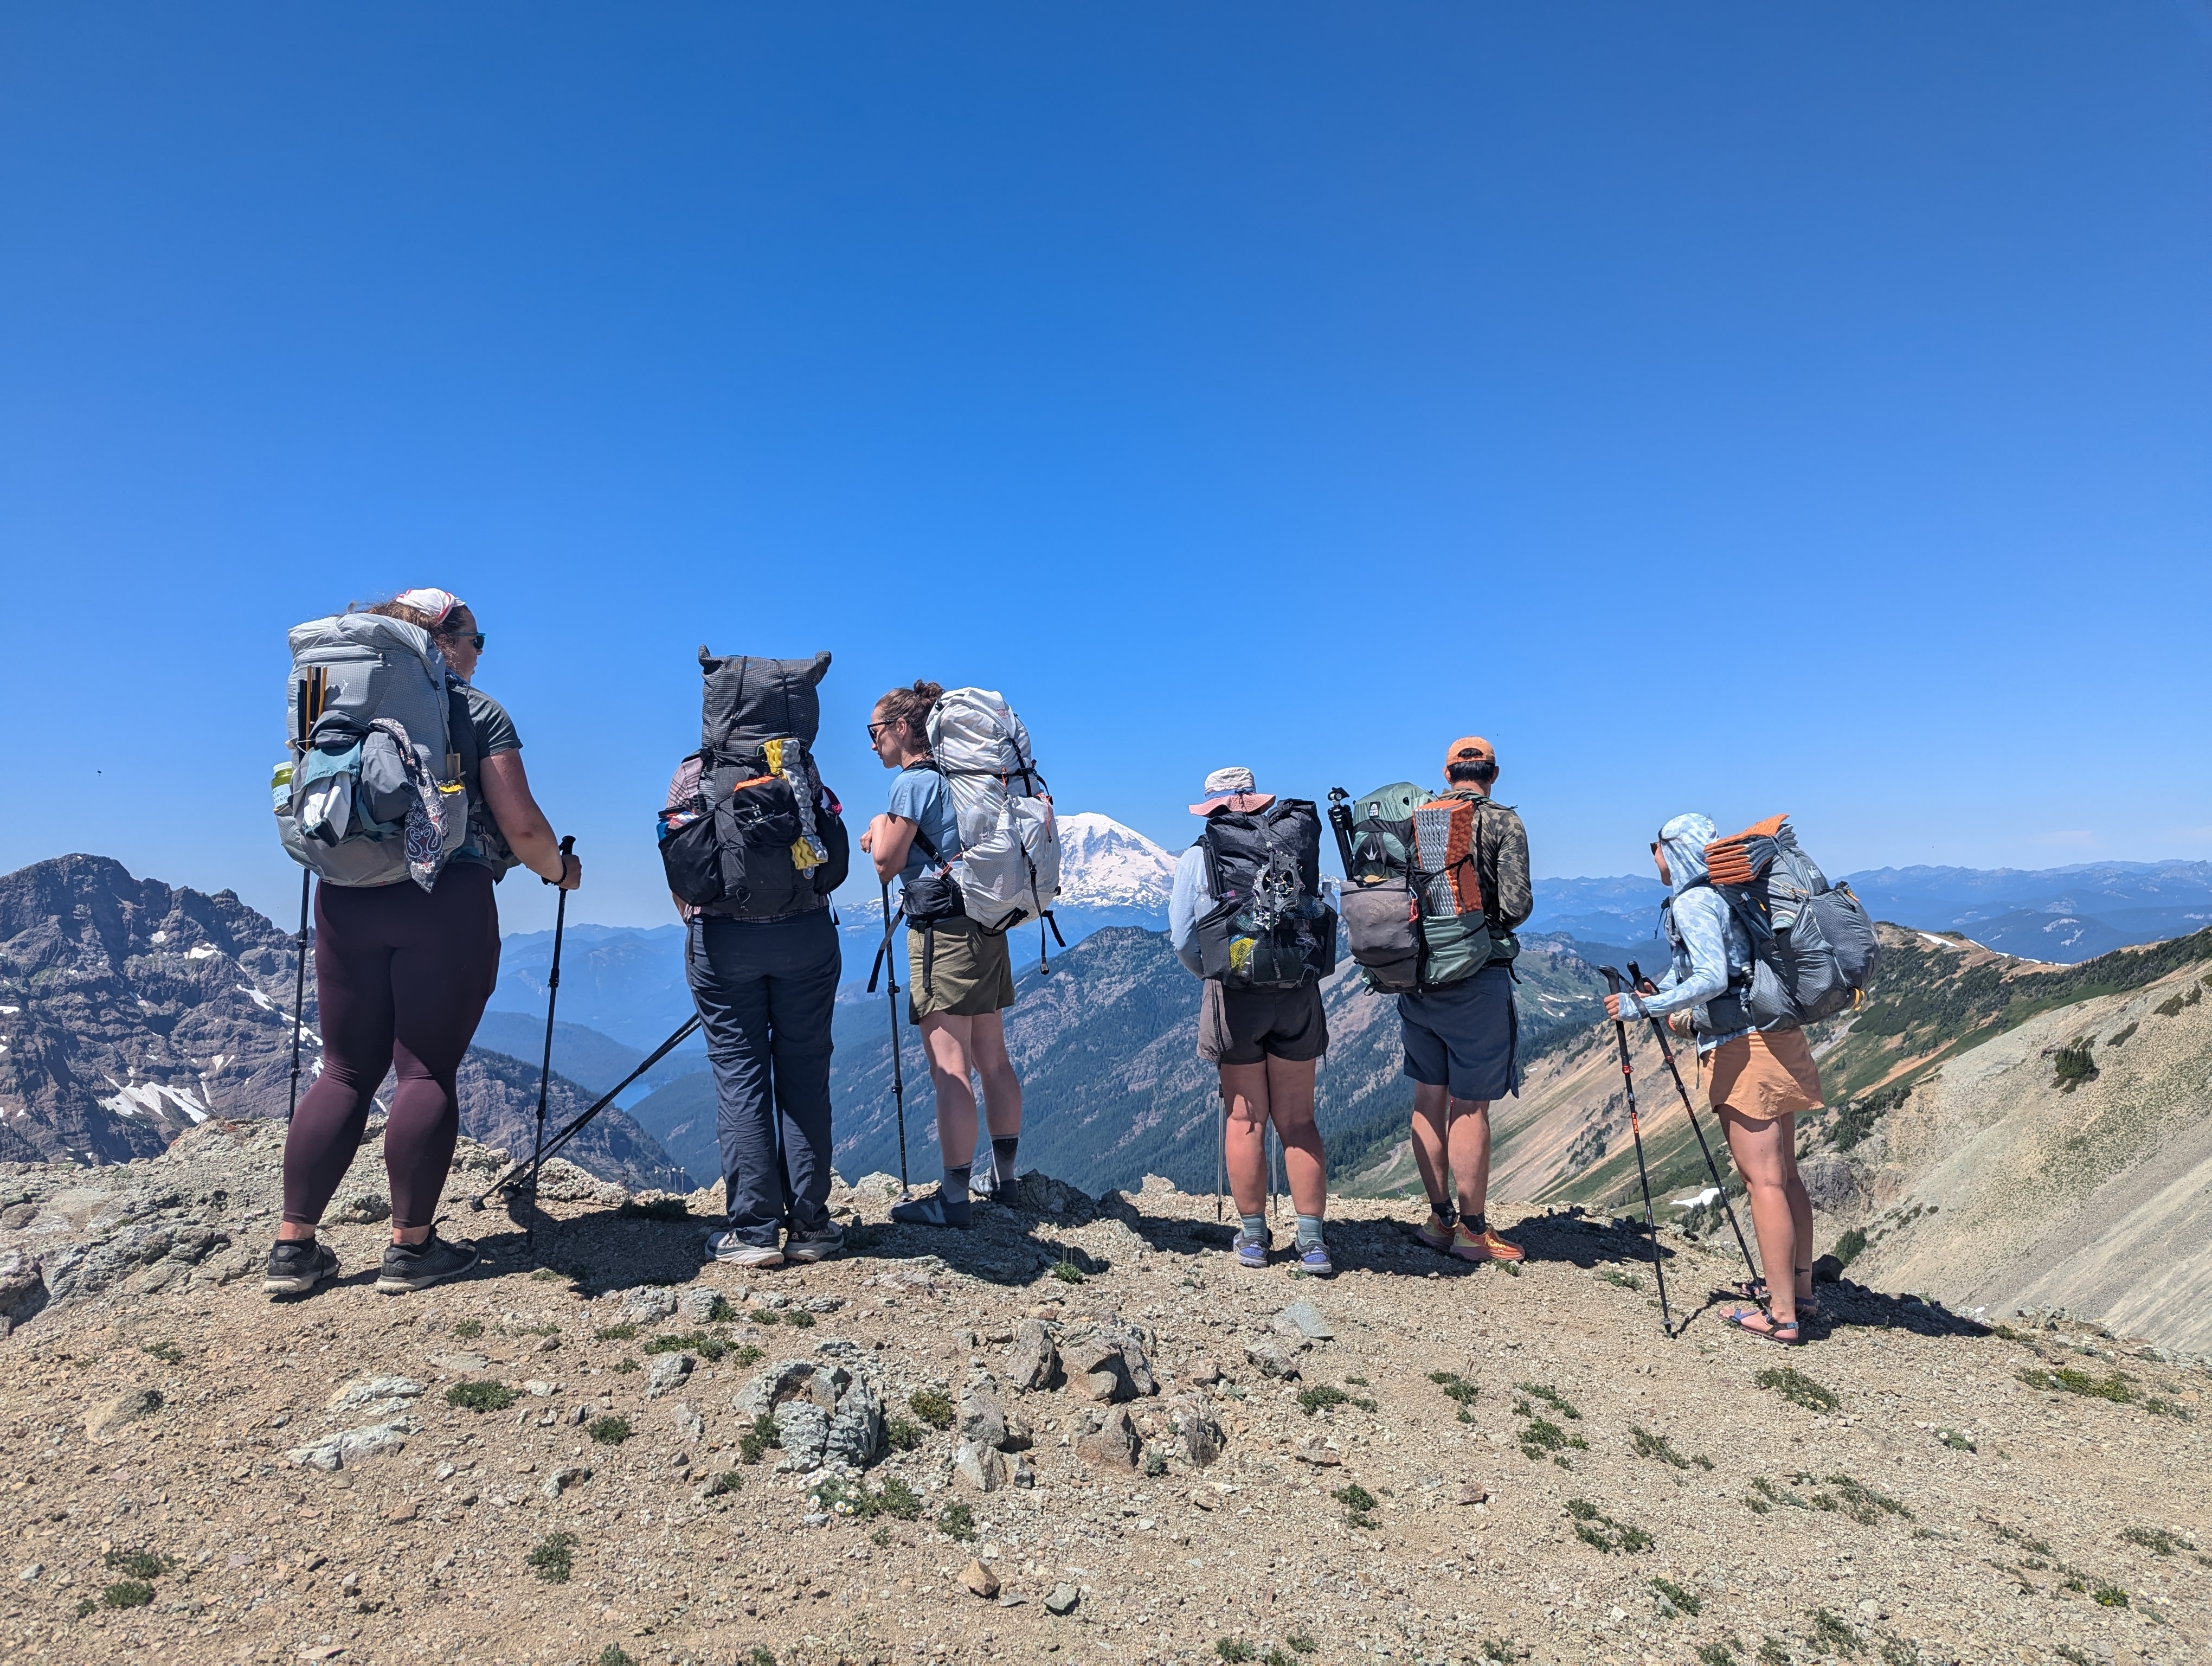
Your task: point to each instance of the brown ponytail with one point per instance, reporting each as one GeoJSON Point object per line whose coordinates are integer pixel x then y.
{"type": "Point", "coordinates": [909, 707]}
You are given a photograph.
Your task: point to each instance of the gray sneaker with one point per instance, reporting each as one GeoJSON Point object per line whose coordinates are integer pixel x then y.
{"type": "Point", "coordinates": [815, 1246]}
{"type": "Point", "coordinates": [296, 1266]}
{"type": "Point", "coordinates": [729, 1248]}
{"type": "Point", "coordinates": [411, 1267]}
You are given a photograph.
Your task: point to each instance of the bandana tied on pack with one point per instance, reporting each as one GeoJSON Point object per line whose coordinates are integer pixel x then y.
{"type": "Point", "coordinates": [426, 827]}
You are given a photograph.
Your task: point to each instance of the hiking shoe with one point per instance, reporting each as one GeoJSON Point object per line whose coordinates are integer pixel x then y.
{"type": "Point", "coordinates": [935, 1210]}
{"type": "Point", "coordinates": [410, 1266]}
{"type": "Point", "coordinates": [296, 1266]}
{"type": "Point", "coordinates": [1436, 1233]}
{"type": "Point", "coordinates": [1252, 1252]}
{"type": "Point", "coordinates": [741, 1252]}
{"type": "Point", "coordinates": [1485, 1246]}
{"type": "Point", "coordinates": [815, 1246]}
{"type": "Point", "coordinates": [1313, 1261]}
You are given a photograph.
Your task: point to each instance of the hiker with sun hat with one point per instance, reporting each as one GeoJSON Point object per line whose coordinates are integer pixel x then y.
{"type": "Point", "coordinates": [1247, 914]}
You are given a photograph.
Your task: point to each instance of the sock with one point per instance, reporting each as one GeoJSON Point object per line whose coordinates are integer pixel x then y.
{"type": "Point", "coordinates": [1308, 1232]}
{"type": "Point", "coordinates": [1002, 1160]}
{"type": "Point", "coordinates": [955, 1189]}
{"type": "Point", "coordinates": [1255, 1228]}
{"type": "Point", "coordinates": [1475, 1224]}
{"type": "Point", "coordinates": [1447, 1212]}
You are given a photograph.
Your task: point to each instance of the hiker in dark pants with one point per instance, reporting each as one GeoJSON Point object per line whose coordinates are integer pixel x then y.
{"type": "Point", "coordinates": [1463, 1040]}
{"type": "Point", "coordinates": [960, 978]}
{"type": "Point", "coordinates": [763, 964]}
{"type": "Point", "coordinates": [1761, 1078]}
{"type": "Point", "coordinates": [402, 976]}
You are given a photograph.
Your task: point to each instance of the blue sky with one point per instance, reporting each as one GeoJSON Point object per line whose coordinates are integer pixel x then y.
{"type": "Point", "coordinates": [1724, 407]}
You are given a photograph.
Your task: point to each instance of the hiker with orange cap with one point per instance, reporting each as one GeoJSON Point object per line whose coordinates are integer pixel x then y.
{"type": "Point", "coordinates": [1248, 912]}
{"type": "Point", "coordinates": [1463, 1039]}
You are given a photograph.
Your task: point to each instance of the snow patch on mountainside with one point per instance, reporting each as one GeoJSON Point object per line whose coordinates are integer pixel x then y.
{"type": "Point", "coordinates": [1104, 865]}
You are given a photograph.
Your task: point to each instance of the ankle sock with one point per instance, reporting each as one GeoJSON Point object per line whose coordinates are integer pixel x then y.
{"type": "Point", "coordinates": [1255, 1228]}
{"type": "Point", "coordinates": [955, 1187]}
{"type": "Point", "coordinates": [1002, 1160]}
{"type": "Point", "coordinates": [1477, 1224]}
{"type": "Point", "coordinates": [1310, 1231]}
{"type": "Point", "coordinates": [1447, 1213]}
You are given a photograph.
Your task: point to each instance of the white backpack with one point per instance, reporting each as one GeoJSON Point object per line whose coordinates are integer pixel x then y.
{"type": "Point", "coordinates": [1008, 869]}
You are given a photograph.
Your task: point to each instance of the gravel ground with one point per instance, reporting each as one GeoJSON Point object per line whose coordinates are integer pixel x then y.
{"type": "Point", "coordinates": [1469, 1464]}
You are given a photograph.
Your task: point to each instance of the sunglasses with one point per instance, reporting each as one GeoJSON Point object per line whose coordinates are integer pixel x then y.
{"type": "Point", "coordinates": [475, 641]}
{"type": "Point", "coordinates": [874, 729]}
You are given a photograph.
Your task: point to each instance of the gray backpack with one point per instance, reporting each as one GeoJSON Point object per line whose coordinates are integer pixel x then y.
{"type": "Point", "coordinates": [375, 792]}
{"type": "Point", "coordinates": [1813, 946]}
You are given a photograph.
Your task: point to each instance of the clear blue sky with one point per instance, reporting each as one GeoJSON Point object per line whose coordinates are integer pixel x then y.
{"type": "Point", "coordinates": [1735, 407]}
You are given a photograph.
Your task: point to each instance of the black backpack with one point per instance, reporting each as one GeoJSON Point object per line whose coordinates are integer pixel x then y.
{"type": "Point", "coordinates": [1268, 927]}
{"type": "Point", "coordinates": [764, 837]}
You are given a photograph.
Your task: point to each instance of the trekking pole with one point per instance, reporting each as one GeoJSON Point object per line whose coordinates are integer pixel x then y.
{"type": "Point", "coordinates": [1667, 1052]}
{"type": "Point", "coordinates": [546, 1063]}
{"type": "Point", "coordinates": [528, 1172]}
{"type": "Point", "coordinates": [1221, 1153]}
{"type": "Point", "coordinates": [298, 995]}
{"type": "Point", "coordinates": [885, 964]}
{"type": "Point", "coordinates": [1628, 1077]}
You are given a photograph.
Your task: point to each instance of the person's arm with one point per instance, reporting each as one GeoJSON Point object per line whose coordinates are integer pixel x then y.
{"type": "Point", "coordinates": [888, 840]}
{"type": "Point", "coordinates": [523, 825]}
{"type": "Point", "coordinates": [1189, 898]}
{"type": "Point", "coordinates": [1701, 918]}
{"type": "Point", "coordinates": [1517, 898]}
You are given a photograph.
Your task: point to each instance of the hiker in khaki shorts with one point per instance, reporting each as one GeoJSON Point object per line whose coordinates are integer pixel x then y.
{"type": "Point", "coordinates": [1761, 1077]}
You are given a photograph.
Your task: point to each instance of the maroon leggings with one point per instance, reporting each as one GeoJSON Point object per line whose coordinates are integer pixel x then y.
{"type": "Point", "coordinates": [401, 977]}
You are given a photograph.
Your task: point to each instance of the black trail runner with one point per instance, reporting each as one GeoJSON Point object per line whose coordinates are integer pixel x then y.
{"type": "Point", "coordinates": [1667, 1052]}
{"type": "Point", "coordinates": [545, 1061]}
{"type": "Point", "coordinates": [1612, 976]}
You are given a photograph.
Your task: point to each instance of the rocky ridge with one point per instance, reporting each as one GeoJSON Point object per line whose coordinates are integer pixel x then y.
{"type": "Point", "coordinates": [1078, 1430]}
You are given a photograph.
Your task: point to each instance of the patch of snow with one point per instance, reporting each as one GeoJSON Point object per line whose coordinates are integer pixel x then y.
{"type": "Point", "coordinates": [1699, 1201]}
{"type": "Point", "coordinates": [1103, 864]}
{"type": "Point", "coordinates": [1942, 943]}
{"type": "Point", "coordinates": [10, 1009]}
{"type": "Point", "coordinates": [202, 951]}
{"type": "Point", "coordinates": [259, 1000]}
{"type": "Point", "coordinates": [147, 1097]}
{"type": "Point", "coordinates": [159, 937]}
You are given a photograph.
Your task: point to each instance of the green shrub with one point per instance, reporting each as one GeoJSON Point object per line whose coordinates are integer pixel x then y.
{"type": "Point", "coordinates": [757, 1655]}
{"type": "Point", "coordinates": [2120, 1035]}
{"type": "Point", "coordinates": [1233, 1649]}
{"type": "Point", "coordinates": [468, 1330]}
{"type": "Point", "coordinates": [168, 1353]}
{"type": "Point", "coordinates": [1551, 1397]}
{"type": "Point", "coordinates": [2170, 1007]}
{"type": "Point", "coordinates": [137, 1594]}
{"type": "Point", "coordinates": [728, 1481]}
{"type": "Point", "coordinates": [1852, 1246]}
{"type": "Point", "coordinates": [2070, 1066]}
{"type": "Point", "coordinates": [2067, 1380]}
{"type": "Point", "coordinates": [2156, 1541]}
{"type": "Point", "coordinates": [1715, 1654]}
{"type": "Point", "coordinates": [615, 1655]}
{"type": "Point", "coordinates": [1359, 1504]}
{"type": "Point", "coordinates": [480, 1396]}
{"type": "Point", "coordinates": [1832, 1637]}
{"type": "Point", "coordinates": [624, 1367]}
{"type": "Point", "coordinates": [1320, 1398]}
{"type": "Point", "coordinates": [766, 1316]}
{"type": "Point", "coordinates": [1600, 1530]}
{"type": "Point", "coordinates": [746, 1353]}
{"type": "Point", "coordinates": [608, 1431]}
{"type": "Point", "coordinates": [898, 1500]}
{"type": "Point", "coordinates": [1859, 1501]}
{"type": "Point", "coordinates": [1686, 1600]}
{"type": "Point", "coordinates": [551, 1560]}
{"type": "Point", "coordinates": [756, 1440]}
{"type": "Point", "coordinates": [1798, 1388]}
{"type": "Point", "coordinates": [1301, 1641]}
{"type": "Point", "coordinates": [138, 1564]}
{"type": "Point", "coordinates": [903, 1433]}
{"type": "Point", "coordinates": [1068, 1273]}
{"type": "Point", "coordinates": [2109, 1596]}
{"type": "Point", "coordinates": [934, 1407]}
{"type": "Point", "coordinates": [1454, 1386]}
{"type": "Point", "coordinates": [1658, 1446]}
{"type": "Point", "coordinates": [624, 1332]}
{"type": "Point", "coordinates": [958, 1522]}
{"type": "Point", "coordinates": [799, 1319]}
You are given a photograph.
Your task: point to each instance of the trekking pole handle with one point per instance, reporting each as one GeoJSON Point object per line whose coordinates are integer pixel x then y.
{"type": "Point", "coordinates": [1612, 976]}
{"type": "Point", "coordinates": [568, 849]}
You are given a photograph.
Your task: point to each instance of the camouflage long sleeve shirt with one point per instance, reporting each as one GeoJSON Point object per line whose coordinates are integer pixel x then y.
{"type": "Point", "coordinates": [1502, 864]}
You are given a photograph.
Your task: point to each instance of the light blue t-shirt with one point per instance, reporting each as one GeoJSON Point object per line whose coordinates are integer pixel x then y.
{"type": "Point", "coordinates": [922, 798]}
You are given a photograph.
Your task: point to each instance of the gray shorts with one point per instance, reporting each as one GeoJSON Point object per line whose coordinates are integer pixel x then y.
{"type": "Point", "coordinates": [1250, 1026]}
{"type": "Point", "coordinates": [1465, 1037]}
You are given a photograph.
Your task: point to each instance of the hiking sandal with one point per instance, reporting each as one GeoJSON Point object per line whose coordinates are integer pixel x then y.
{"type": "Point", "coordinates": [1788, 1336]}
{"type": "Point", "coordinates": [1754, 1289]}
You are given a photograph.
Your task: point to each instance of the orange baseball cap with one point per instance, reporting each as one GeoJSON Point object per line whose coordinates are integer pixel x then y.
{"type": "Point", "coordinates": [1470, 749]}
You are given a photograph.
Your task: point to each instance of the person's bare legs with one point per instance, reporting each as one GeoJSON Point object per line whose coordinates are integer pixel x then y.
{"type": "Point", "coordinates": [1002, 1089]}
{"type": "Point", "coordinates": [1279, 1092]}
{"type": "Point", "coordinates": [1244, 1090]}
{"type": "Point", "coordinates": [1455, 1134]}
{"type": "Point", "coordinates": [949, 1043]}
{"type": "Point", "coordinates": [1801, 1215]}
{"type": "Point", "coordinates": [1765, 1155]}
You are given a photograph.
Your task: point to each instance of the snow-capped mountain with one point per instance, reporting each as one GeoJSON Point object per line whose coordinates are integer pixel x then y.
{"type": "Point", "coordinates": [1109, 875]}
{"type": "Point", "coordinates": [1104, 865]}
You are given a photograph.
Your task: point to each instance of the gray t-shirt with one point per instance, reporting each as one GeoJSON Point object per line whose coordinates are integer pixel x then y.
{"type": "Point", "coordinates": [494, 733]}
{"type": "Point", "coordinates": [921, 795]}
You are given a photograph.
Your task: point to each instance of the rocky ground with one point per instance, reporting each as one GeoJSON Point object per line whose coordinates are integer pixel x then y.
{"type": "Point", "coordinates": [1077, 1432]}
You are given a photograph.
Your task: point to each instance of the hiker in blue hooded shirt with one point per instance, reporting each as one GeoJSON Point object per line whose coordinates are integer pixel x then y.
{"type": "Point", "coordinates": [1761, 1078]}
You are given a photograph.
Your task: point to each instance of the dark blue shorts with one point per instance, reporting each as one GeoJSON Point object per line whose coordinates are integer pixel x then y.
{"type": "Point", "coordinates": [1465, 1037]}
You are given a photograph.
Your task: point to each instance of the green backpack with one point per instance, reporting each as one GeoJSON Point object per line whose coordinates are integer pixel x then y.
{"type": "Point", "coordinates": [1413, 904]}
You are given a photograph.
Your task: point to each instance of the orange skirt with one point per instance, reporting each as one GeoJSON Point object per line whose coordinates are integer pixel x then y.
{"type": "Point", "coordinates": [1765, 1074]}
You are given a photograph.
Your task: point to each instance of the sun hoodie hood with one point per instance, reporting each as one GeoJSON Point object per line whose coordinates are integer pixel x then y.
{"type": "Point", "coordinates": [1684, 839]}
